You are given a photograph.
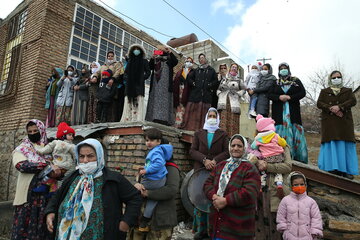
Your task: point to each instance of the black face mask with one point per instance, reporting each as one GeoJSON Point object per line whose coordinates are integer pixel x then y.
{"type": "Point", "coordinates": [34, 137]}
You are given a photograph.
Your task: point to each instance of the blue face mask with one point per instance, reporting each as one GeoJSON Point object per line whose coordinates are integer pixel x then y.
{"type": "Point", "coordinates": [136, 52]}
{"type": "Point", "coordinates": [284, 72]}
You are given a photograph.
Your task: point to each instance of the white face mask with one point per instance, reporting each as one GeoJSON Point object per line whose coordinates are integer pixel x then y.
{"type": "Point", "coordinates": [70, 73]}
{"type": "Point", "coordinates": [336, 81]}
{"type": "Point", "coordinates": [211, 121]}
{"type": "Point", "coordinates": [110, 61]}
{"type": "Point", "coordinates": [94, 70]}
{"type": "Point", "coordinates": [264, 72]}
{"type": "Point", "coordinates": [188, 64]}
{"type": "Point", "coordinates": [87, 168]}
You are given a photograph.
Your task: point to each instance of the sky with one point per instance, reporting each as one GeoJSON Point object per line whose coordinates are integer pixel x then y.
{"type": "Point", "coordinates": [310, 35]}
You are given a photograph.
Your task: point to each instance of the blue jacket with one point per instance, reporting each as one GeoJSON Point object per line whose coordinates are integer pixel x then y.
{"type": "Point", "coordinates": [156, 160]}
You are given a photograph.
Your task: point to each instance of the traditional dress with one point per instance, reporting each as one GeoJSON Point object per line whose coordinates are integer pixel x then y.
{"type": "Point", "coordinates": [181, 95]}
{"type": "Point", "coordinates": [92, 103]}
{"type": "Point", "coordinates": [81, 98]}
{"type": "Point", "coordinates": [51, 96]}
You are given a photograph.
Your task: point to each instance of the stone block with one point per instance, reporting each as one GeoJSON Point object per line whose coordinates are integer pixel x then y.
{"type": "Point", "coordinates": [347, 224]}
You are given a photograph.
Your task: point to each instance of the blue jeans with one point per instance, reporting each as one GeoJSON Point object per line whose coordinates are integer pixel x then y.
{"type": "Point", "coordinates": [253, 101]}
{"type": "Point", "coordinates": [151, 184]}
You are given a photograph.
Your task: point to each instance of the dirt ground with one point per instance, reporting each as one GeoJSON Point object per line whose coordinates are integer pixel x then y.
{"type": "Point", "coordinates": [314, 141]}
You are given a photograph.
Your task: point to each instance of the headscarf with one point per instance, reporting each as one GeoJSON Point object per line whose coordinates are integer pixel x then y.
{"type": "Point", "coordinates": [211, 128]}
{"type": "Point", "coordinates": [285, 80]}
{"type": "Point", "coordinates": [77, 210]}
{"type": "Point", "coordinates": [54, 81]}
{"type": "Point", "coordinates": [231, 165]}
{"type": "Point", "coordinates": [97, 67]}
{"type": "Point", "coordinates": [336, 88]}
{"type": "Point", "coordinates": [27, 148]}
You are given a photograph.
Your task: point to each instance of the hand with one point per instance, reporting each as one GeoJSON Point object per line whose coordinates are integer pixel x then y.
{"type": "Point", "coordinates": [335, 109]}
{"type": "Point", "coordinates": [123, 226]}
{"type": "Point", "coordinates": [144, 193]}
{"type": "Point", "coordinates": [262, 165]}
{"type": "Point", "coordinates": [50, 222]}
{"type": "Point", "coordinates": [251, 92]}
{"type": "Point", "coordinates": [219, 202]}
{"type": "Point", "coordinates": [56, 171]}
{"type": "Point", "coordinates": [139, 186]}
{"type": "Point", "coordinates": [142, 172]}
{"type": "Point", "coordinates": [76, 88]}
{"type": "Point", "coordinates": [339, 114]}
{"type": "Point", "coordinates": [284, 98]}
{"type": "Point", "coordinates": [209, 164]}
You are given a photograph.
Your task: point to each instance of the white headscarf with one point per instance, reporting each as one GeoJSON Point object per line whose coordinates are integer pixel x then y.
{"type": "Point", "coordinates": [212, 128]}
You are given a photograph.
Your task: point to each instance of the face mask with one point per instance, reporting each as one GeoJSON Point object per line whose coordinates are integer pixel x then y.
{"type": "Point", "coordinates": [299, 189]}
{"type": "Point", "coordinates": [188, 64]}
{"type": "Point", "coordinates": [264, 72]}
{"type": "Point", "coordinates": [336, 81]}
{"type": "Point", "coordinates": [211, 121]}
{"type": "Point", "coordinates": [34, 138]}
{"type": "Point", "coordinates": [110, 61]}
{"type": "Point", "coordinates": [94, 70]}
{"type": "Point", "coordinates": [70, 73]}
{"type": "Point", "coordinates": [136, 52]}
{"type": "Point", "coordinates": [284, 72]}
{"type": "Point", "coordinates": [87, 168]}
{"type": "Point", "coordinates": [254, 71]}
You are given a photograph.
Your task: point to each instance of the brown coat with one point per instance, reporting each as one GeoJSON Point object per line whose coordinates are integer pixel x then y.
{"type": "Point", "coordinates": [332, 126]}
{"type": "Point", "coordinates": [218, 151]}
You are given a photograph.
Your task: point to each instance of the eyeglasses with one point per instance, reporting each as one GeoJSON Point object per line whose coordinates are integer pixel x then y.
{"type": "Point", "coordinates": [336, 77]}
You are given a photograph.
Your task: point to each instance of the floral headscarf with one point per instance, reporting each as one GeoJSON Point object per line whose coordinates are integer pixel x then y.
{"type": "Point", "coordinates": [231, 165]}
{"type": "Point", "coordinates": [27, 147]}
{"type": "Point", "coordinates": [77, 210]}
{"type": "Point", "coordinates": [211, 128]}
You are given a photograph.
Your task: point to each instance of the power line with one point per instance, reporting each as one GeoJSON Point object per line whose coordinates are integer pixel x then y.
{"type": "Point", "coordinates": [150, 28]}
{"type": "Point", "coordinates": [203, 31]}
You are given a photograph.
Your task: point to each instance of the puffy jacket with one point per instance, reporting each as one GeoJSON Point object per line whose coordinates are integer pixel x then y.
{"type": "Point", "coordinates": [66, 93]}
{"type": "Point", "coordinates": [298, 217]}
{"type": "Point", "coordinates": [156, 160]}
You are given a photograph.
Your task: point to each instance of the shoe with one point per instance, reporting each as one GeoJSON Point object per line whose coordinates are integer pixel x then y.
{"type": "Point", "coordinates": [144, 224]}
{"type": "Point", "coordinates": [144, 229]}
{"type": "Point", "coordinates": [348, 176]}
{"type": "Point", "coordinates": [201, 236]}
{"type": "Point", "coordinates": [252, 113]}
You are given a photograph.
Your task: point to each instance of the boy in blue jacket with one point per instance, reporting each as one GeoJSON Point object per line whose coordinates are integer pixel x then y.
{"type": "Point", "coordinates": [154, 172]}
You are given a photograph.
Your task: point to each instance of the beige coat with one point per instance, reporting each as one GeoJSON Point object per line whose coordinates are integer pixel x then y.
{"type": "Point", "coordinates": [116, 68]}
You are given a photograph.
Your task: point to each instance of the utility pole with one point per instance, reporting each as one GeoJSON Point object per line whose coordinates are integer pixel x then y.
{"type": "Point", "coordinates": [263, 59]}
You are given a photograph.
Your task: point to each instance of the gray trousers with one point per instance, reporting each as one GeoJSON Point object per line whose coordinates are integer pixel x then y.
{"type": "Point", "coordinates": [150, 184]}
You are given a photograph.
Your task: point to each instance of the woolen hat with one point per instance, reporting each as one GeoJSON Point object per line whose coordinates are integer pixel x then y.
{"type": "Point", "coordinates": [64, 129]}
{"type": "Point", "coordinates": [264, 124]}
{"type": "Point", "coordinates": [107, 72]}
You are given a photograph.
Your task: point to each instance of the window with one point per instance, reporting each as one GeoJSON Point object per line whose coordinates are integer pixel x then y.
{"type": "Point", "coordinates": [83, 49]}
{"type": "Point", "coordinates": [106, 46]}
{"type": "Point", "coordinates": [78, 64]}
{"type": "Point", "coordinates": [87, 25]}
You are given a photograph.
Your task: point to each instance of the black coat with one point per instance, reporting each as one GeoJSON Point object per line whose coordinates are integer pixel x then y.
{"type": "Point", "coordinates": [140, 83]}
{"type": "Point", "coordinates": [203, 83]}
{"type": "Point", "coordinates": [262, 89]}
{"type": "Point", "coordinates": [116, 191]}
{"type": "Point", "coordinates": [172, 61]}
{"type": "Point", "coordinates": [296, 92]}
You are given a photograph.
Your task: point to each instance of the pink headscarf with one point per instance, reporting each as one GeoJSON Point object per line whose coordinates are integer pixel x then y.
{"type": "Point", "coordinates": [27, 147]}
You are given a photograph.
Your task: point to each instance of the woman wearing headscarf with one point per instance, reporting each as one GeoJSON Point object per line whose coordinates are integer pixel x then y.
{"type": "Point", "coordinates": [209, 147]}
{"type": "Point", "coordinates": [230, 91]}
{"type": "Point", "coordinates": [160, 105]}
{"type": "Point", "coordinates": [136, 72]}
{"type": "Point", "coordinates": [338, 146]}
{"type": "Point", "coordinates": [262, 88]}
{"type": "Point", "coordinates": [286, 95]}
{"type": "Point", "coordinates": [52, 92]}
{"type": "Point", "coordinates": [64, 100]}
{"type": "Point", "coordinates": [89, 204]}
{"type": "Point", "coordinates": [117, 69]}
{"type": "Point", "coordinates": [181, 91]}
{"type": "Point", "coordinates": [93, 86]}
{"type": "Point", "coordinates": [81, 98]}
{"type": "Point", "coordinates": [29, 217]}
{"type": "Point", "coordinates": [233, 187]}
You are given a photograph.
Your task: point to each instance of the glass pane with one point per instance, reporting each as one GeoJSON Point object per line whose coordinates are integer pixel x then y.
{"type": "Point", "coordinates": [74, 53]}
{"type": "Point", "coordinates": [75, 46]}
{"type": "Point", "coordinates": [80, 9]}
{"type": "Point", "coordinates": [83, 56]}
{"type": "Point", "coordinates": [86, 44]}
{"type": "Point", "coordinates": [93, 48]}
{"type": "Point", "coordinates": [79, 20]}
{"type": "Point", "coordinates": [86, 36]}
{"type": "Point", "coordinates": [76, 40]}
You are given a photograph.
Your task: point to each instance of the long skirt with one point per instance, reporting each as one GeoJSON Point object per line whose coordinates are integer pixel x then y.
{"type": "Point", "coordinates": [78, 111]}
{"type": "Point", "coordinates": [339, 155]}
{"type": "Point", "coordinates": [200, 222]}
{"type": "Point", "coordinates": [92, 103]}
{"type": "Point", "coordinates": [230, 122]}
{"type": "Point", "coordinates": [51, 116]}
{"type": "Point", "coordinates": [180, 110]}
{"type": "Point", "coordinates": [134, 111]}
{"type": "Point", "coordinates": [294, 135]}
{"type": "Point", "coordinates": [29, 218]}
{"type": "Point", "coordinates": [194, 116]}
{"type": "Point", "coordinates": [163, 234]}
{"type": "Point", "coordinates": [63, 114]}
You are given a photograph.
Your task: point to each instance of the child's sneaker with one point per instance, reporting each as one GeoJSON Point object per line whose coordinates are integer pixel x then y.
{"type": "Point", "coordinates": [144, 224]}
{"type": "Point", "coordinates": [252, 113]}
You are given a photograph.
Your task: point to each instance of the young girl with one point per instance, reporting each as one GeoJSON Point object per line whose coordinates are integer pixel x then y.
{"type": "Point", "coordinates": [271, 147]}
{"type": "Point", "coordinates": [251, 80]}
{"type": "Point", "coordinates": [298, 215]}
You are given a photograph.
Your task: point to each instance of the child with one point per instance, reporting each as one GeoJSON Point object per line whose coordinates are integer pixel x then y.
{"type": "Point", "coordinates": [63, 152]}
{"type": "Point", "coordinates": [271, 147]}
{"type": "Point", "coordinates": [154, 173]}
{"type": "Point", "coordinates": [298, 215]}
{"type": "Point", "coordinates": [251, 80]}
{"type": "Point", "coordinates": [105, 94]}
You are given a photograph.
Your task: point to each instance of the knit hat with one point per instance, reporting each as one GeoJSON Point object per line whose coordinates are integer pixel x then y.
{"type": "Point", "coordinates": [264, 124]}
{"type": "Point", "coordinates": [107, 72]}
{"type": "Point", "coordinates": [64, 129]}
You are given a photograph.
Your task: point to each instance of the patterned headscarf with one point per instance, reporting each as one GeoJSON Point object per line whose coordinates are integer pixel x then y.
{"type": "Point", "coordinates": [211, 128]}
{"type": "Point", "coordinates": [77, 210]}
{"type": "Point", "coordinates": [27, 147]}
{"type": "Point", "coordinates": [285, 80]}
{"type": "Point", "coordinates": [231, 165]}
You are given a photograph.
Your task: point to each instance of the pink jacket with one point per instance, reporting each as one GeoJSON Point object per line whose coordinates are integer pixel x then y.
{"type": "Point", "coordinates": [269, 143]}
{"type": "Point", "coordinates": [298, 217]}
